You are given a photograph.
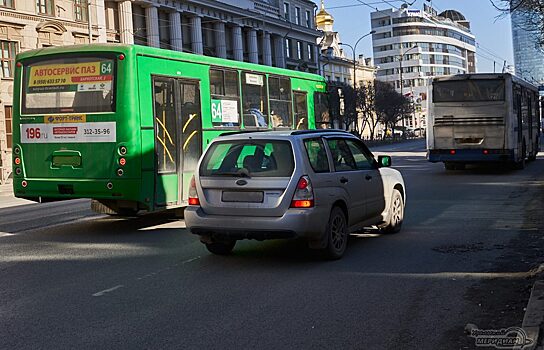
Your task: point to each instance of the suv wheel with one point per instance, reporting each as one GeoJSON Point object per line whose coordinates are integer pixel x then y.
{"type": "Point", "coordinates": [221, 248]}
{"type": "Point", "coordinates": [336, 234]}
{"type": "Point", "coordinates": [396, 213]}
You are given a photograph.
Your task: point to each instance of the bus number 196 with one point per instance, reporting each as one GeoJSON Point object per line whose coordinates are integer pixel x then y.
{"type": "Point", "coordinates": [33, 133]}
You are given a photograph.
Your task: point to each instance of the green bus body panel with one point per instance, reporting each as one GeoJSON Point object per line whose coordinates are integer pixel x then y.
{"type": "Point", "coordinates": [134, 126]}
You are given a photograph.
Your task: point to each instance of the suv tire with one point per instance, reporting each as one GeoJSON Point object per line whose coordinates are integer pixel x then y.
{"type": "Point", "coordinates": [396, 213]}
{"type": "Point", "coordinates": [336, 235]}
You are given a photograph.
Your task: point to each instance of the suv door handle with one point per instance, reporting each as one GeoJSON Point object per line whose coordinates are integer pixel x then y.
{"type": "Point", "coordinates": [343, 180]}
{"type": "Point", "coordinates": [368, 177]}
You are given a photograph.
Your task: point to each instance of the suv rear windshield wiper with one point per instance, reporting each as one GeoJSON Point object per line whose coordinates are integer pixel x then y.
{"type": "Point", "coordinates": [240, 173]}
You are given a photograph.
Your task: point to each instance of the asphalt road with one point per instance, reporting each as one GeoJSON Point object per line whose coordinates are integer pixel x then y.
{"type": "Point", "coordinates": [73, 279]}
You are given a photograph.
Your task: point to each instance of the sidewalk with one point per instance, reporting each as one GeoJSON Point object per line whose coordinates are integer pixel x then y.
{"type": "Point", "coordinates": [7, 199]}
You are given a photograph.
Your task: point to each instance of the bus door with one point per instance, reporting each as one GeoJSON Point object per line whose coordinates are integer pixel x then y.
{"type": "Point", "coordinates": [530, 107]}
{"type": "Point", "coordinates": [518, 113]}
{"type": "Point", "coordinates": [177, 124]}
{"type": "Point", "coordinates": [301, 110]}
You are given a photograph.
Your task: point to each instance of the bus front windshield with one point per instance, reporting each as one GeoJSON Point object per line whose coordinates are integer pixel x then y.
{"type": "Point", "coordinates": [69, 85]}
{"type": "Point", "coordinates": [474, 90]}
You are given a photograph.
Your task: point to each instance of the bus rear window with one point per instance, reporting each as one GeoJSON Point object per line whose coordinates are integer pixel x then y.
{"type": "Point", "coordinates": [69, 85]}
{"type": "Point", "coordinates": [468, 90]}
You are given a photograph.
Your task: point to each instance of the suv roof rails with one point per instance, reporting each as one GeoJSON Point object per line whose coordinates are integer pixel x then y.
{"type": "Point", "coordinates": [304, 132]}
{"type": "Point", "coordinates": [242, 132]}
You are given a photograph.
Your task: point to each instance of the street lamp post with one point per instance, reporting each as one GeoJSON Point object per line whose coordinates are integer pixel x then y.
{"type": "Point", "coordinates": [401, 81]}
{"type": "Point", "coordinates": [354, 49]}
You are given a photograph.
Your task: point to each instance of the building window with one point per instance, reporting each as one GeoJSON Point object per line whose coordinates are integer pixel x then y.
{"type": "Point", "coordinates": [286, 11]}
{"type": "Point", "coordinates": [308, 19]}
{"type": "Point", "coordinates": [9, 50]}
{"type": "Point", "coordinates": [45, 7]}
{"type": "Point", "coordinates": [299, 50]}
{"type": "Point", "coordinates": [6, 3]}
{"type": "Point", "coordinates": [310, 52]}
{"type": "Point", "coordinates": [298, 20]}
{"type": "Point", "coordinates": [288, 48]}
{"type": "Point", "coordinates": [80, 10]}
{"type": "Point", "coordinates": [9, 131]}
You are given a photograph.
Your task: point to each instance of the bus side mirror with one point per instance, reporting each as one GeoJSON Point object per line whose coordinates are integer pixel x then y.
{"type": "Point", "coordinates": [384, 161]}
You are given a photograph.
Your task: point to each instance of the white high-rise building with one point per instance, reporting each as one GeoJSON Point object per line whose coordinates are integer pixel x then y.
{"type": "Point", "coordinates": [411, 46]}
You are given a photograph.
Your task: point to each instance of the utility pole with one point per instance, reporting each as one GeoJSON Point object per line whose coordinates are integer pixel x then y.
{"type": "Point", "coordinates": [401, 81]}
{"type": "Point", "coordinates": [89, 21]}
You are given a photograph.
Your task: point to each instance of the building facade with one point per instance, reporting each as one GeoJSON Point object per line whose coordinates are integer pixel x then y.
{"type": "Point", "coordinates": [411, 46]}
{"type": "Point", "coordinates": [280, 33]}
{"type": "Point", "coordinates": [528, 54]}
{"type": "Point", "coordinates": [335, 66]}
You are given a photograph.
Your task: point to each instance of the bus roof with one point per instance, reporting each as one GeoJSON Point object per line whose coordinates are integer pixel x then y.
{"type": "Point", "coordinates": [165, 54]}
{"type": "Point", "coordinates": [484, 76]}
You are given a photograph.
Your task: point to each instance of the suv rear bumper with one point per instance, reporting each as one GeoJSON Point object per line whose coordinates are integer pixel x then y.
{"type": "Point", "coordinates": [307, 223]}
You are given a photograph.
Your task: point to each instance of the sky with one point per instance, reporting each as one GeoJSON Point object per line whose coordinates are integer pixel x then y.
{"type": "Point", "coordinates": [493, 32]}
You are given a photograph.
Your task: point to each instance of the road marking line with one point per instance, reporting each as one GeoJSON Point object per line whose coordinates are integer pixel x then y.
{"type": "Point", "coordinates": [101, 293]}
{"type": "Point", "coordinates": [190, 260]}
{"type": "Point", "coordinates": [6, 234]}
{"type": "Point", "coordinates": [151, 274]}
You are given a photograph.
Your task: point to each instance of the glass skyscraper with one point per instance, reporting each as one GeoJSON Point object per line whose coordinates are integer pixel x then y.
{"type": "Point", "coordinates": [528, 54]}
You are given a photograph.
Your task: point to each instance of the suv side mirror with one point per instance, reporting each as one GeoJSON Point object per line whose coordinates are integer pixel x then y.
{"type": "Point", "coordinates": [384, 161]}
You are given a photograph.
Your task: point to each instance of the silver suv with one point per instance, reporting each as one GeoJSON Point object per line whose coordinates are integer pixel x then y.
{"type": "Point", "coordinates": [315, 184]}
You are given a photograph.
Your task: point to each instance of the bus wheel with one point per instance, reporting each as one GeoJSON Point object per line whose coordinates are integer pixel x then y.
{"type": "Point", "coordinates": [532, 157]}
{"type": "Point", "coordinates": [520, 165]}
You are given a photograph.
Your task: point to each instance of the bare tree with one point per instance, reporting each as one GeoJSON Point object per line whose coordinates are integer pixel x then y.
{"type": "Point", "coordinates": [391, 106]}
{"type": "Point", "coordinates": [342, 105]}
{"type": "Point", "coordinates": [366, 95]}
{"type": "Point", "coordinates": [532, 12]}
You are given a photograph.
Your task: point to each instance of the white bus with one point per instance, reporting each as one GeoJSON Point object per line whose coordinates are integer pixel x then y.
{"type": "Point", "coordinates": [479, 118]}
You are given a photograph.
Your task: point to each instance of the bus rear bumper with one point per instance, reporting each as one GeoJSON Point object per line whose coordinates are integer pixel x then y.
{"type": "Point", "coordinates": [58, 189]}
{"type": "Point", "coordinates": [470, 155]}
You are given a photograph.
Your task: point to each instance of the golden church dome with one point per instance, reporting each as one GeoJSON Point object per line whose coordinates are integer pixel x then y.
{"type": "Point", "coordinates": [323, 17]}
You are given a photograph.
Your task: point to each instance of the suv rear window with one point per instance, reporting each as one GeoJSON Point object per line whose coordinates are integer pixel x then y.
{"type": "Point", "coordinates": [255, 158]}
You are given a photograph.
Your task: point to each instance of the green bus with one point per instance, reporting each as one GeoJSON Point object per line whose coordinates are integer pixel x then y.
{"type": "Point", "coordinates": [125, 125]}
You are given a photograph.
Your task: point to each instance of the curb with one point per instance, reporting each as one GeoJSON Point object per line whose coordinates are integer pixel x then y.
{"type": "Point", "coordinates": [534, 315]}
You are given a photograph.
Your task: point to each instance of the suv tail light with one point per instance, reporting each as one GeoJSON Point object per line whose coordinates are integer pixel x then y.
{"type": "Point", "coordinates": [193, 196]}
{"type": "Point", "coordinates": [304, 194]}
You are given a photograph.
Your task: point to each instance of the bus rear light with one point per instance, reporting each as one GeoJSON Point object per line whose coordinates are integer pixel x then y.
{"type": "Point", "coordinates": [193, 194]}
{"type": "Point", "coordinates": [109, 186]}
{"type": "Point", "coordinates": [485, 151]}
{"type": "Point", "coordinates": [24, 183]}
{"type": "Point", "coordinates": [452, 151]}
{"type": "Point", "coordinates": [121, 57]}
{"type": "Point", "coordinates": [17, 160]}
{"type": "Point", "coordinates": [18, 171]}
{"type": "Point", "coordinates": [120, 172]}
{"type": "Point", "coordinates": [304, 194]}
{"type": "Point", "coordinates": [122, 150]}
{"type": "Point", "coordinates": [122, 161]}
{"type": "Point", "coordinates": [17, 150]}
